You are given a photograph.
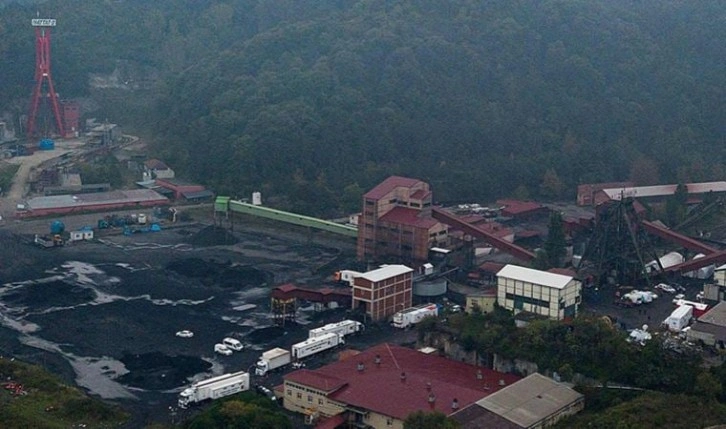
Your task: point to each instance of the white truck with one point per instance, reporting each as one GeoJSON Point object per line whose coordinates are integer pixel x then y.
{"type": "Point", "coordinates": [315, 345]}
{"type": "Point", "coordinates": [413, 315]}
{"type": "Point", "coordinates": [346, 276]}
{"type": "Point", "coordinates": [271, 360]}
{"type": "Point", "coordinates": [215, 387]}
{"type": "Point", "coordinates": [679, 318]}
{"type": "Point", "coordinates": [343, 328]}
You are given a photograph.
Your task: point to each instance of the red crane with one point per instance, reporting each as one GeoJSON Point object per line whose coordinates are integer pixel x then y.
{"type": "Point", "coordinates": [43, 76]}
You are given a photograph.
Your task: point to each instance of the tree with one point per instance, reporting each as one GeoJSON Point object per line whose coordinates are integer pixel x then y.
{"type": "Point", "coordinates": [708, 385]}
{"type": "Point", "coordinates": [432, 420]}
{"type": "Point", "coordinates": [552, 185]}
{"type": "Point", "coordinates": [555, 245]}
{"type": "Point", "coordinates": [676, 205]}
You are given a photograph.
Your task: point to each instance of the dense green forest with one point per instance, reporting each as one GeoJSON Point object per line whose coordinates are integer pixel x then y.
{"type": "Point", "coordinates": [313, 101]}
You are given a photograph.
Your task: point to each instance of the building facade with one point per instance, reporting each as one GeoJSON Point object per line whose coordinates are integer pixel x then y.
{"type": "Point", "coordinates": [379, 387]}
{"type": "Point", "coordinates": [547, 294]}
{"type": "Point", "coordinates": [383, 292]}
{"type": "Point", "coordinates": [395, 224]}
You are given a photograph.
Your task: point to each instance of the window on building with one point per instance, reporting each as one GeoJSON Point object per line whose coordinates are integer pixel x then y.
{"type": "Point", "coordinates": [370, 202]}
{"type": "Point", "coordinates": [289, 392]}
{"type": "Point", "coordinates": [389, 421]}
{"type": "Point", "coordinates": [299, 395]}
{"type": "Point", "coordinates": [320, 401]}
{"type": "Point", "coordinates": [310, 398]}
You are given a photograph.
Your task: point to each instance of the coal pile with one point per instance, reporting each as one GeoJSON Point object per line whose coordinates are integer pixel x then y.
{"type": "Point", "coordinates": [220, 274]}
{"type": "Point", "coordinates": [51, 294]}
{"type": "Point", "coordinates": [212, 236]}
{"type": "Point", "coordinates": [194, 268]}
{"type": "Point", "coordinates": [157, 371]}
{"type": "Point", "coordinates": [268, 334]}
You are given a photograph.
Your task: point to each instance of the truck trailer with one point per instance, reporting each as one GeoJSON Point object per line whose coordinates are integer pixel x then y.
{"type": "Point", "coordinates": [315, 345]}
{"type": "Point", "coordinates": [343, 328]}
{"type": "Point", "coordinates": [271, 360]}
{"type": "Point", "coordinates": [215, 387]}
{"type": "Point", "coordinates": [413, 315]}
{"type": "Point", "coordinates": [679, 318]}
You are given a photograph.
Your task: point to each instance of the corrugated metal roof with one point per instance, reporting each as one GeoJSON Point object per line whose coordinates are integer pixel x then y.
{"type": "Point", "coordinates": [401, 382]}
{"type": "Point", "coordinates": [85, 200]}
{"type": "Point", "coordinates": [530, 400]}
{"type": "Point", "coordinates": [389, 185]}
{"type": "Point", "coordinates": [530, 275]}
{"type": "Point", "coordinates": [408, 216]}
{"type": "Point", "coordinates": [662, 190]}
{"type": "Point", "coordinates": [715, 316]}
{"type": "Point", "coordinates": [385, 272]}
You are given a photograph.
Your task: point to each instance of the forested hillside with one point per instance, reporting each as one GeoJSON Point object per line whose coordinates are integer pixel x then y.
{"type": "Point", "coordinates": [317, 100]}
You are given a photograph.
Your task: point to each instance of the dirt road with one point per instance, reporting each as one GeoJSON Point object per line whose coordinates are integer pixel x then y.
{"type": "Point", "coordinates": [28, 164]}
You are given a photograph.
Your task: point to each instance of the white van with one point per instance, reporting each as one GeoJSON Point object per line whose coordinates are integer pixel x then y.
{"type": "Point", "coordinates": [233, 344]}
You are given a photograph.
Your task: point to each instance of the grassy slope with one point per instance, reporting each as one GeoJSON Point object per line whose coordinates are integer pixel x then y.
{"type": "Point", "coordinates": [48, 402]}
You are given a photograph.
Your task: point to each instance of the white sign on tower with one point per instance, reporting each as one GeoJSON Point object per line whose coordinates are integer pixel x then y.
{"type": "Point", "coordinates": [42, 22]}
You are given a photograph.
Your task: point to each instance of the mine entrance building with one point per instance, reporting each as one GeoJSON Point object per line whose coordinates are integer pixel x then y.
{"type": "Point", "coordinates": [556, 296]}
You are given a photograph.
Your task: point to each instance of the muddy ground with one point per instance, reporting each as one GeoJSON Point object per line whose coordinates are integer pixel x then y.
{"type": "Point", "coordinates": [104, 314]}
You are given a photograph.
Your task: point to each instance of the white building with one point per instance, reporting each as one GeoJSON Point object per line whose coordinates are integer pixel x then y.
{"type": "Point", "coordinates": [552, 295]}
{"type": "Point", "coordinates": [719, 275]}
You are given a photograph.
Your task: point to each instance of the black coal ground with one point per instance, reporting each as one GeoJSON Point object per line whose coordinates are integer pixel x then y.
{"type": "Point", "coordinates": [152, 286]}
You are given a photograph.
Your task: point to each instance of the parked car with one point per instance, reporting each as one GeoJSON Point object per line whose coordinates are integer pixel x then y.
{"type": "Point", "coordinates": [232, 344]}
{"type": "Point", "coordinates": [262, 390]}
{"type": "Point", "coordinates": [185, 334]}
{"type": "Point", "coordinates": [680, 296]}
{"type": "Point", "coordinates": [666, 288]}
{"type": "Point", "coordinates": [222, 349]}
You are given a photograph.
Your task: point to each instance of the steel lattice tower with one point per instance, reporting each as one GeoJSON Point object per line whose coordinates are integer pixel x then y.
{"type": "Point", "coordinates": [43, 76]}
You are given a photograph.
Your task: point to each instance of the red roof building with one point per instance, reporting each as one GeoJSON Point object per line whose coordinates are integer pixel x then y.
{"type": "Point", "coordinates": [381, 386]}
{"type": "Point", "coordinates": [395, 225]}
{"type": "Point", "coordinates": [522, 209]}
{"type": "Point", "coordinates": [586, 192]}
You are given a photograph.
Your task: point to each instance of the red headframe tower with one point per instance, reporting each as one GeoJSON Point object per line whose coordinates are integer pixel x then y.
{"type": "Point", "coordinates": [43, 77]}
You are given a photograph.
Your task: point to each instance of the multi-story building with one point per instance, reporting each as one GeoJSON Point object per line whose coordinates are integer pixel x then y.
{"type": "Point", "coordinates": [395, 224]}
{"type": "Point", "coordinates": [381, 386]}
{"type": "Point", "coordinates": [384, 291]}
{"type": "Point", "coordinates": [556, 296]}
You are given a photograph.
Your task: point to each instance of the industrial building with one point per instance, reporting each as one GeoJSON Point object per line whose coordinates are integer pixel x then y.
{"type": "Point", "coordinates": [547, 294]}
{"type": "Point", "coordinates": [384, 291]}
{"type": "Point", "coordinates": [381, 386]}
{"type": "Point", "coordinates": [586, 192]}
{"type": "Point", "coordinates": [395, 224]}
{"type": "Point", "coordinates": [710, 328]}
{"type": "Point", "coordinates": [182, 190]}
{"type": "Point", "coordinates": [533, 402]}
{"type": "Point", "coordinates": [81, 203]}
{"type": "Point", "coordinates": [157, 169]}
{"type": "Point", "coordinates": [695, 191]}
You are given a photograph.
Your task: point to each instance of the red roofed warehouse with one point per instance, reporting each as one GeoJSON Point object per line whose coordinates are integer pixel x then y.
{"type": "Point", "coordinates": [396, 223]}
{"type": "Point", "coordinates": [381, 386]}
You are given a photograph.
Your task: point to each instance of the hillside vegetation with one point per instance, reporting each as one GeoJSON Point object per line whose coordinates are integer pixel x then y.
{"type": "Point", "coordinates": [314, 101]}
{"type": "Point", "coordinates": [42, 401]}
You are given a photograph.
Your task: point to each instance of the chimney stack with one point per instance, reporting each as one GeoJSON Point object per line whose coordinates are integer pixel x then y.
{"type": "Point", "coordinates": [378, 360]}
{"type": "Point", "coordinates": [361, 366]}
{"type": "Point", "coordinates": [432, 399]}
{"type": "Point", "coordinates": [403, 376]}
{"type": "Point", "coordinates": [455, 404]}
{"type": "Point", "coordinates": [479, 375]}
